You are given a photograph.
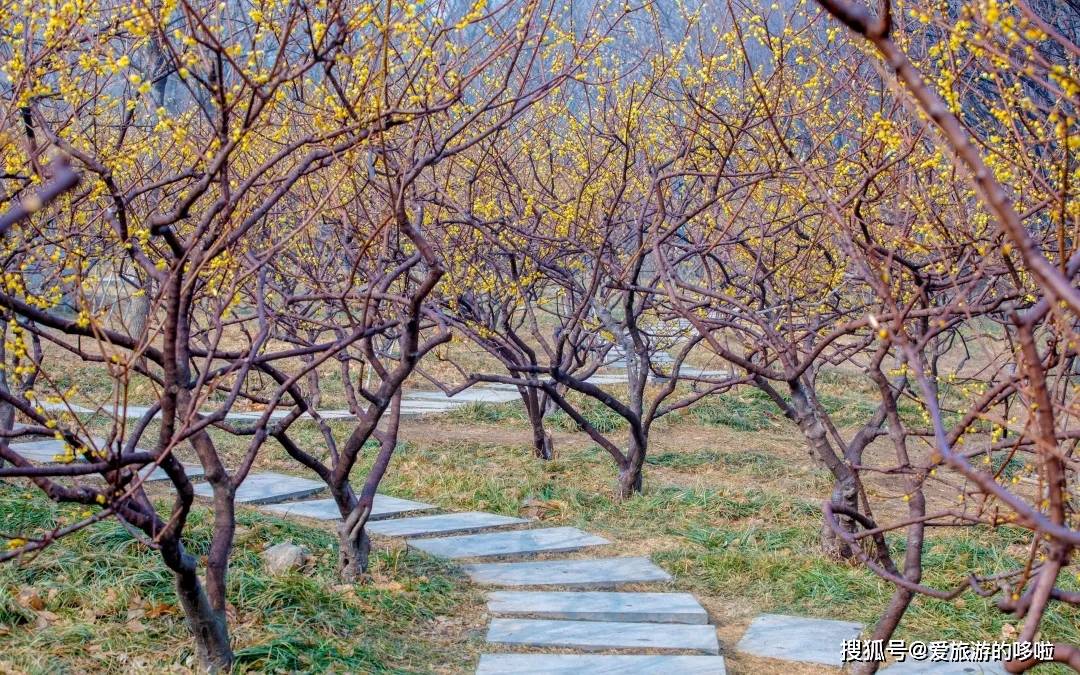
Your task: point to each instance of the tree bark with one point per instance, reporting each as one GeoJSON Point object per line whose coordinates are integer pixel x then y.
{"type": "Point", "coordinates": [208, 625]}
{"type": "Point", "coordinates": [630, 480]}
{"type": "Point", "coordinates": [845, 492]}
{"type": "Point", "coordinates": [7, 417]}
{"type": "Point", "coordinates": [354, 551]}
{"type": "Point", "coordinates": [534, 407]}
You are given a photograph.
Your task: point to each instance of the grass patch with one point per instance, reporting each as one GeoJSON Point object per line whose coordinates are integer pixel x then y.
{"type": "Point", "coordinates": [745, 409]}
{"type": "Point", "coordinates": [602, 418]}
{"type": "Point", "coordinates": [488, 413]}
{"type": "Point", "coordinates": [102, 601]}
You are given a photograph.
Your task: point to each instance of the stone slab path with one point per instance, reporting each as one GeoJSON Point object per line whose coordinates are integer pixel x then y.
{"type": "Point", "coordinates": [599, 606]}
{"type": "Point", "coordinates": [583, 621]}
{"type": "Point", "coordinates": [443, 523]}
{"type": "Point", "coordinates": [414, 403]}
{"type": "Point", "coordinates": [512, 543]}
{"type": "Point", "coordinates": [604, 635]}
{"type": "Point", "coordinates": [797, 638]}
{"type": "Point", "coordinates": [669, 626]}
{"type": "Point", "coordinates": [607, 664]}
{"type": "Point", "coordinates": [326, 509]}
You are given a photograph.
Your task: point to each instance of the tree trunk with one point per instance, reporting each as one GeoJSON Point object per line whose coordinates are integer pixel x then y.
{"type": "Point", "coordinates": [543, 447]}
{"type": "Point", "coordinates": [208, 626]}
{"type": "Point", "coordinates": [354, 550]}
{"type": "Point", "coordinates": [630, 481]}
{"type": "Point", "coordinates": [534, 407]}
{"type": "Point", "coordinates": [844, 494]}
{"type": "Point", "coordinates": [7, 418]}
{"type": "Point", "coordinates": [885, 628]}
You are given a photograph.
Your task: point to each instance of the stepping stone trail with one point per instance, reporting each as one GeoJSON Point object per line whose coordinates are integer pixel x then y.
{"type": "Point", "coordinates": [581, 620]}
{"type": "Point", "coordinates": [48, 451]}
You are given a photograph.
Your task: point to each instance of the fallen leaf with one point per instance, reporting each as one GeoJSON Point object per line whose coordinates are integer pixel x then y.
{"type": "Point", "coordinates": [28, 597]}
{"type": "Point", "coordinates": [159, 609]}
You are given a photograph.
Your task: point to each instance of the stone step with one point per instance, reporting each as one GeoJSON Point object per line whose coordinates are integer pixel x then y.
{"type": "Point", "coordinates": [268, 488]}
{"type": "Point", "coordinates": [798, 638]}
{"type": "Point", "coordinates": [326, 509]}
{"type": "Point", "coordinates": [515, 542]}
{"type": "Point", "coordinates": [472, 395]}
{"type": "Point", "coordinates": [50, 450]}
{"type": "Point", "coordinates": [599, 606]}
{"type": "Point", "coordinates": [925, 667]}
{"type": "Point", "coordinates": [594, 573]}
{"type": "Point", "coordinates": [156, 473]}
{"type": "Point", "coordinates": [603, 635]}
{"type": "Point", "coordinates": [443, 523]}
{"type": "Point", "coordinates": [599, 664]}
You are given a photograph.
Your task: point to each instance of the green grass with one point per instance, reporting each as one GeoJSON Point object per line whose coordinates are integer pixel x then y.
{"type": "Point", "coordinates": [108, 603]}
{"type": "Point", "coordinates": [488, 413]}
{"type": "Point", "coordinates": [745, 409]}
{"type": "Point", "coordinates": [602, 418]}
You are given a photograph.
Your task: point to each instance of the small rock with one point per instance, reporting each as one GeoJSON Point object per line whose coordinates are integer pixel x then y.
{"type": "Point", "coordinates": [285, 557]}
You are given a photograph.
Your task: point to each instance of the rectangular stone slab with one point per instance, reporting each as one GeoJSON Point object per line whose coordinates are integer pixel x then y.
{"type": "Point", "coordinates": [443, 523]}
{"type": "Point", "coordinates": [45, 451]}
{"type": "Point", "coordinates": [926, 667]}
{"type": "Point", "coordinates": [602, 635]}
{"type": "Point", "coordinates": [599, 606]}
{"type": "Point", "coordinates": [193, 471]}
{"type": "Point", "coordinates": [798, 638]}
{"type": "Point", "coordinates": [600, 573]}
{"type": "Point", "coordinates": [326, 509]}
{"type": "Point", "coordinates": [472, 395]}
{"type": "Point", "coordinates": [515, 542]}
{"type": "Point", "coordinates": [599, 664]}
{"type": "Point", "coordinates": [267, 488]}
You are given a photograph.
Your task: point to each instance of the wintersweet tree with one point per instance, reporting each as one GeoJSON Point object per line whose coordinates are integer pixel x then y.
{"type": "Point", "coordinates": [500, 65]}
{"type": "Point", "coordinates": [568, 284]}
{"type": "Point", "coordinates": [746, 257]}
{"type": "Point", "coordinates": [503, 290]}
{"type": "Point", "coordinates": [988, 186]}
{"type": "Point", "coordinates": [210, 139]}
{"type": "Point", "coordinates": [169, 202]}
